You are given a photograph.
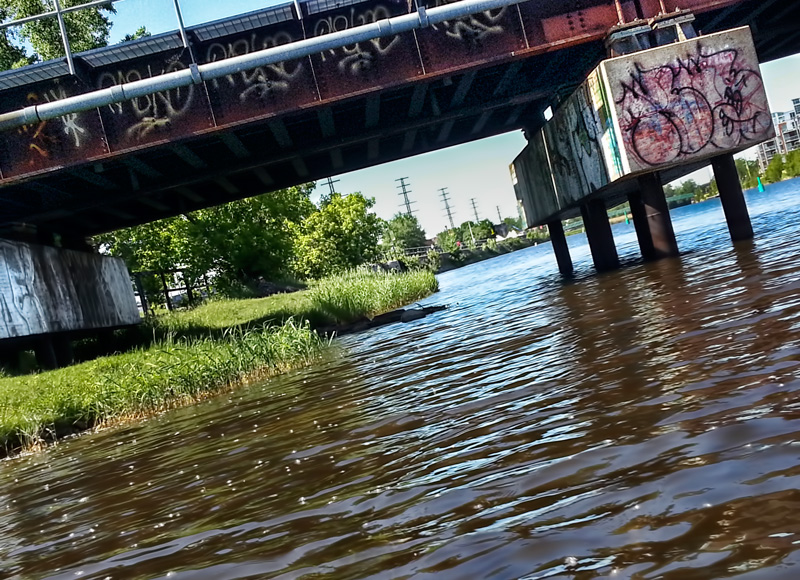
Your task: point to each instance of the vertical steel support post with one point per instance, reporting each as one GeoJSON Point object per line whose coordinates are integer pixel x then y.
{"type": "Point", "coordinates": [63, 28]}
{"type": "Point", "coordinates": [732, 198]}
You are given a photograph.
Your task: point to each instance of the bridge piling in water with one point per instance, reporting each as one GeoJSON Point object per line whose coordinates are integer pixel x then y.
{"type": "Point", "coordinates": [640, 119]}
{"type": "Point", "coordinates": [560, 248]}
{"type": "Point", "coordinates": [732, 198]}
{"type": "Point", "coordinates": [656, 213]}
{"type": "Point", "coordinates": [598, 232]}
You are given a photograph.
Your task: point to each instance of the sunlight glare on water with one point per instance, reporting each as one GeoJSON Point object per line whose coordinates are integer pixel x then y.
{"type": "Point", "coordinates": [639, 424]}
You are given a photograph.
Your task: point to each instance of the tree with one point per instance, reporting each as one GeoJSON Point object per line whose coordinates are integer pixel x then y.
{"type": "Point", "coordinates": [748, 172]}
{"type": "Point", "coordinates": [774, 171]}
{"type": "Point", "coordinates": [793, 163]}
{"type": "Point", "coordinates": [11, 55]}
{"type": "Point", "coordinates": [140, 32]}
{"type": "Point", "coordinates": [514, 222]}
{"type": "Point", "coordinates": [403, 231]}
{"type": "Point", "coordinates": [448, 240]}
{"type": "Point", "coordinates": [154, 247]}
{"type": "Point", "coordinates": [239, 241]}
{"type": "Point", "coordinates": [341, 235]}
{"type": "Point", "coordinates": [245, 240]}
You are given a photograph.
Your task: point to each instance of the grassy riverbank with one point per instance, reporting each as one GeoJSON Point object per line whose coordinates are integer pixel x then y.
{"type": "Point", "coordinates": [192, 354]}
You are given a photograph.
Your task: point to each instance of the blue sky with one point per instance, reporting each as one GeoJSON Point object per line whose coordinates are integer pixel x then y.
{"type": "Point", "coordinates": [476, 170]}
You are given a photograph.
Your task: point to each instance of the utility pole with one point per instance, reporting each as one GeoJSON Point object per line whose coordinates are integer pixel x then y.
{"type": "Point", "coordinates": [475, 210]}
{"type": "Point", "coordinates": [329, 182]}
{"type": "Point", "coordinates": [446, 200]}
{"type": "Point", "coordinates": [499, 217]}
{"type": "Point", "coordinates": [404, 191]}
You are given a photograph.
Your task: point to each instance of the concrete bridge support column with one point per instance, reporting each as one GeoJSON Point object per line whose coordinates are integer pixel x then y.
{"type": "Point", "coordinates": [560, 248]}
{"type": "Point", "coordinates": [732, 198]}
{"type": "Point", "coordinates": [598, 231]}
{"type": "Point", "coordinates": [651, 219]}
{"type": "Point", "coordinates": [641, 226]}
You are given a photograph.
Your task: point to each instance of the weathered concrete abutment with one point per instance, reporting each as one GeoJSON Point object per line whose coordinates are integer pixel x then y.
{"type": "Point", "coordinates": [50, 295]}
{"type": "Point", "coordinates": [639, 120]}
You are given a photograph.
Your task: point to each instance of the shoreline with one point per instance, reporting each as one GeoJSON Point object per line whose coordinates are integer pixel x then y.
{"type": "Point", "coordinates": [193, 355]}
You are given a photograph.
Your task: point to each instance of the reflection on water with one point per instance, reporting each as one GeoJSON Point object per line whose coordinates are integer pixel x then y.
{"type": "Point", "coordinates": [640, 424]}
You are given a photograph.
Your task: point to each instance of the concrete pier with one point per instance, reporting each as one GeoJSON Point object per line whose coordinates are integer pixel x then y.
{"type": "Point", "coordinates": [598, 232]}
{"type": "Point", "coordinates": [49, 296]}
{"type": "Point", "coordinates": [732, 198]}
{"type": "Point", "coordinates": [657, 222]}
{"type": "Point", "coordinates": [560, 248]}
{"type": "Point", "coordinates": [641, 226]}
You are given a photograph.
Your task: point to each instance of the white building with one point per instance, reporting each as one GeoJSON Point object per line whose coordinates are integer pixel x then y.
{"type": "Point", "coordinates": [787, 135]}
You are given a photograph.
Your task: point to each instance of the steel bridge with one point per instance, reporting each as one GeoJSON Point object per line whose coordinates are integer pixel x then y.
{"type": "Point", "coordinates": [268, 124]}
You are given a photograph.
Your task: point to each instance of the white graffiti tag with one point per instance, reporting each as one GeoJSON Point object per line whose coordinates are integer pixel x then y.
{"type": "Point", "coordinates": [264, 82]}
{"type": "Point", "coordinates": [360, 57]}
{"type": "Point", "coordinates": [155, 111]}
{"type": "Point", "coordinates": [69, 122]}
{"type": "Point", "coordinates": [472, 29]}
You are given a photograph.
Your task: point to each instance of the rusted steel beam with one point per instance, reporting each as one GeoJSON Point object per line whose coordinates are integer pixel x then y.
{"type": "Point", "coordinates": [458, 47]}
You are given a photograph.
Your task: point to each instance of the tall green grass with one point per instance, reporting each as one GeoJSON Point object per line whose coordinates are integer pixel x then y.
{"type": "Point", "coordinates": [349, 296]}
{"type": "Point", "coordinates": [181, 357]}
{"type": "Point", "coordinates": [38, 408]}
{"type": "Point", "coordinates": [334, 300]}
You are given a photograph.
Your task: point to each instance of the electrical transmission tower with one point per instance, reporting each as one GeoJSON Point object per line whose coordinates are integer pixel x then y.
{"type": "Point", "coordinates": [329, 182]}
{"type": "Point", "coordinates": [404, 191]}
{"type": "Point", "coordinates": [446, 200]}
{"type": "Point", "coordinates": [475, 210]}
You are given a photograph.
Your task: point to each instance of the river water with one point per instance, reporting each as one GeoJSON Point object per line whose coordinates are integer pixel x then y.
{"type": "Point", "coordinates": [639, 424]}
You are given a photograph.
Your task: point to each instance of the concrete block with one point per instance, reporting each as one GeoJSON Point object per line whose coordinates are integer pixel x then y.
{"type": "Point", "coordinates": [45, 289]}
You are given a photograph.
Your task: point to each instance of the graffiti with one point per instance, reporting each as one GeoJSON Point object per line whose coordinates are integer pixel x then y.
{"type": "Point", "coordinates": [155, 111]}
{"type": "Point", "coordinates": [263, 83]}
{"type": "Point", "coordinates": [574, 142]}
{"type": "Point", "coordinates": [361, 57]}
{"type": "Point", "coordinates": [41, 137]}
{"type": "Point", "coordinates": [710, 100]}
{"type": "Point", "coordinates": [472, 30]}
{"type": "Point", "coordinates": [69, 122]}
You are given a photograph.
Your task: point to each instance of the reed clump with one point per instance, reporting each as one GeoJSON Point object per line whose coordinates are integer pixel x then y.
{"type": "Point", "coordinates": [175, 371]}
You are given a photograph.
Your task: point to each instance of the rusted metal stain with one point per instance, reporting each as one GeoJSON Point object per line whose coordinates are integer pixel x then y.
{"type": "Point", "coordinates": [153, 118]}
{"type": "Point", "coordinates": [63, 141]}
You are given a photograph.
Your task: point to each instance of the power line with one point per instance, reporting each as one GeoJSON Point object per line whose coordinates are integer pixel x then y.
{"type": "Point", "coordinates": [404, 191]}
{"type": "Point", "coordinates": [446, 201]}
{"type": "Point", "coordinates": [329, 182]}
{"type": "Point", "coordinates": [475, 210]}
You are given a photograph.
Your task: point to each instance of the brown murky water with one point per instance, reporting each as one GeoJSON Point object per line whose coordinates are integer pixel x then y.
{"type": "Point", "coordinates": [641, 424]}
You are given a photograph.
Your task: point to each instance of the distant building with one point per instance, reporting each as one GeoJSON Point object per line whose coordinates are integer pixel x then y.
{"type": "Point", "coordinates": [787, 136]}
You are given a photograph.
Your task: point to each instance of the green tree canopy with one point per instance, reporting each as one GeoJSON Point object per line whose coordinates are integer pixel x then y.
{"type": "Point", "coordinates": [140, 32]}
{"type": "Point", "coordinates": [341, 235]}
{"type": "Point", "coordinates": [86, 29]}
{"type": "Point", "coordinates": [774, 171]}
{"type": "Point", "coordinates": [403, 231]}
{"type": "Point", "coordinates": [250, 238]}
{"type": "Point", "coordinates": [514, 222]}
{"type": "Point", "coordinates": [793, 163]}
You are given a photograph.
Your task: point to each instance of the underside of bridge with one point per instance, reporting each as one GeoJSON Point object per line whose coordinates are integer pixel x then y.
{"type": "Point", "coordinates": [333, 136]}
